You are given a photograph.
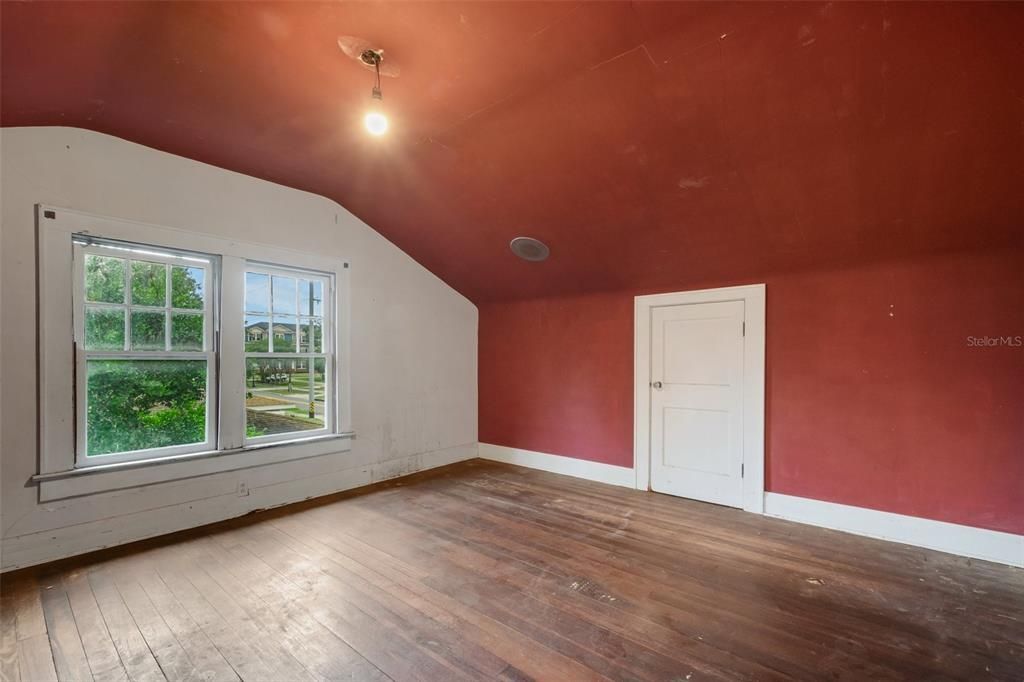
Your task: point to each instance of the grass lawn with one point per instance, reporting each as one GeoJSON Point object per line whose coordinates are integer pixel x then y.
{"type": "Point", "coordinates": [264, 401]}
{"type": "Point", "coordinates": [302, 415]}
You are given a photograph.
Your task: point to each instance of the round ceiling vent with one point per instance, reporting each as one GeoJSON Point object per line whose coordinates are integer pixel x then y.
{"type": "Point", "coordinates": [530, 249]}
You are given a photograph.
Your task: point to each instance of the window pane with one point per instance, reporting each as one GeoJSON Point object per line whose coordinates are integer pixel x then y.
{"type": "Point", "coordinates": [283, 395]}
{"type": "Point", "coordinates": [104, 279]}
{"type": "Point", "coordinates": [257, 334]}
{"type": "Point", "coordinates": [257, 289]}
{"type": "Point", "coordinates": [104, 328]}
{"type": "Point", "coordinates": [187, 287]}
{"type": "Point", "coordinates": [148, 330]}
{"type": "Point", "coordinates": [311, 298]}
{"type": "Point", "coordinates": [186, 331]}
{"type": "Point", "coordinates": [141, 404]}
{"type": "Point", "coordinates": [149, 283]}
{"type": "Point", "coordinates": [311, 335]}
{"type": "Point", "coordinates": [284, 295]}
{"type": "Point", "coordinates": [284, 329]}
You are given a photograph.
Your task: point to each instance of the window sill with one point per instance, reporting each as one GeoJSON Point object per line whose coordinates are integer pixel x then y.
{"type": "Point", "coordinates": [104, 478]}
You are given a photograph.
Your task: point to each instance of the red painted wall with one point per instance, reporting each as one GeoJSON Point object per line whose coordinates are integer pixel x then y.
{"type": "Point", "coordinates": [875, 397]}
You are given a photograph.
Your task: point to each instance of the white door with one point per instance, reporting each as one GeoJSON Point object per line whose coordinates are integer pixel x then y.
{"type": "Point", "coordinates": [697, 401]}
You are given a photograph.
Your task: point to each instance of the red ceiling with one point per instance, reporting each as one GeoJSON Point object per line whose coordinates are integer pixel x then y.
{"type": "Point", "coordinates": [650, 144]}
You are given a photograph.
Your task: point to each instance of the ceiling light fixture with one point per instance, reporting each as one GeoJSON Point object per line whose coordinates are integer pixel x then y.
{"type": "Point", "coordinates": [528, 248]}
{"type": "Point", "coordinates": [375, 120]}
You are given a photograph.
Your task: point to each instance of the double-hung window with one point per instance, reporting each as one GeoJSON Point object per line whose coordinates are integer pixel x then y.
{"type": "Point", "coordinates": [287, 373]}
{"type": "Point", "coordinates": [144, 335]}
{"type": "Point", "coordinates": [182, 345]}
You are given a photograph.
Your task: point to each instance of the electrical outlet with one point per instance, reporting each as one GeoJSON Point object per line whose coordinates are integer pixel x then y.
{"type": "Point", "coordinates": [243, 488]}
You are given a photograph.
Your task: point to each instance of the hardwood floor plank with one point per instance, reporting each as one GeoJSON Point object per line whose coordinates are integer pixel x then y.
{"type": "Point", "coordinates": [205, 657]}
{"type": "Point", "coordinates": [392, 649]}
{"type": "Point", "coordinates": [174, 662]}
{"type": "Point", "coordinates": [274, 606]}
{"type": "Point", "coordinates": [489, 571]}
{"type": "Point", "coordinates": [28, 607]}
{"type": "Point", "coordinates": [35, 659]}
{"type": "Point", "coordinates": [390, 607]}
{"type": "Point", "coordinates": [104, 661]}
{"type": "Point", "coordinates": [528, 578]}
{"type": "Point", "coordinates": [384, 572]}
{"type": "Point", "coordinates": [621, 590]}
{"type": "Point", "coordinates": [861, 610]}
{"type": "Point", "coordinates": [226, 625]}
{"type": "Point", "coordinates": [233, 607]}
{"type": "Point", "coordinates": [729, 572]}
{"type": "Point", "coordinates": [9, 670]}
{"type": "Point", "coordinates": [688, 641]}
{"type": "Point", "coordinates": [520, 611]}
{"type": "Point", "coordinates": [138, 660]}
{"type": "Point", "coordinates": [65, 643]}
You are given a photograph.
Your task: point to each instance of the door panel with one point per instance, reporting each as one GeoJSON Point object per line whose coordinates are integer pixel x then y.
{"type": "Point", "coordinates": [697, 401]}
{"type": "Point", "coordinates": [693, 352]}
{"type": "Point", "coordinates": [702, 431]}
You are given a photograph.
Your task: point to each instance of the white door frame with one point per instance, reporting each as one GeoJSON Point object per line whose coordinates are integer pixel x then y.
{"type": "Point", "coordinates": [753, 296]}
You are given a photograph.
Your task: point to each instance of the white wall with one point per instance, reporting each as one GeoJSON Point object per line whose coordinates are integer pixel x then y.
{"type": "Point", "coordinates": [414, 339]}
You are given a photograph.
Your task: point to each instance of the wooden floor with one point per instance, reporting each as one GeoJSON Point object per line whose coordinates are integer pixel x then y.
{"type": "Point", "coordinates": [487, 571]}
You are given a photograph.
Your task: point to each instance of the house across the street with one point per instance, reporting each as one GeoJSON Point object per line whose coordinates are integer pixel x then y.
{"type": "Point", "coordinates": [282, 332]}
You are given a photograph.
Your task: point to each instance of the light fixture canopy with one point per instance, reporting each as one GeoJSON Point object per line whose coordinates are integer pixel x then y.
{"type": "Point", "coordinates": [530, 249]}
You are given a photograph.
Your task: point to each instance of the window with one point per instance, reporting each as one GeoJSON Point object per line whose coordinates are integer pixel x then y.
{"type": "Point", "coordinates": [145, 365]}
{"type": "Point", "coordinates": [287, 372]}
{"type": "Point", "coordinates": [198, 353]}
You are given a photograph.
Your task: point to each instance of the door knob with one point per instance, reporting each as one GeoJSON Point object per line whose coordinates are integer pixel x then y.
{"type": "Point", "coordinates": [656, 384]}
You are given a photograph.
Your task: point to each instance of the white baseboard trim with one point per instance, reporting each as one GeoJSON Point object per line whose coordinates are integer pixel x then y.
{"type": "Point", "coordinates": [559, 464]}
{"type": "Point", "coordinates": [978, 543]}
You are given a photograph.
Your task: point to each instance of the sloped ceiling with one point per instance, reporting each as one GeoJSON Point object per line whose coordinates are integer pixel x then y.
{"type": "Point", "coordinates": [649, 144]}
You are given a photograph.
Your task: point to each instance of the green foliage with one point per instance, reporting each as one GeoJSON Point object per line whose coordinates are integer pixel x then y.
{"type": "Point", "coordinates": [258, 346]}
{"type": "Point", "coordinates": [104, 328]}
{"type": "Point", "coordinates": [148, 330]}
{"type": "Point", "coordinates": [274, 371]}
{"type": "Point", "coordinates": [284, 345]}
{"type": "Point", "coordinates": [104, 282]}
{"type": "Point", "coordinates": [186, 331]}
{"type": "Point", "coordinates": [149, 283]}
{"type": "Point", "coordinates": [140, 404]}
{"type": "Point", "coordinates": [187, 288]}
{"type": "Point", "coordinates": [104, 279]}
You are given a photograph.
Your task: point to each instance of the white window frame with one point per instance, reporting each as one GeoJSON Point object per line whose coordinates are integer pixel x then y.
{"type": "Point", "coordinates": [328, 342]}
{"type": "Point", "coordinates": [81, 247]}
{"type": "Point", "coordinates": [58, 474]}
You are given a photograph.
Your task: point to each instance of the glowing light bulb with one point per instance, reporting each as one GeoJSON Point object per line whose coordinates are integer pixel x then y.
{"type": "Point", "coordinates": [376, 123]}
